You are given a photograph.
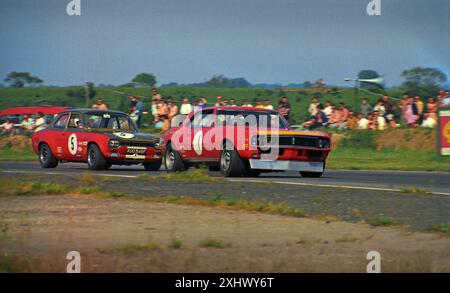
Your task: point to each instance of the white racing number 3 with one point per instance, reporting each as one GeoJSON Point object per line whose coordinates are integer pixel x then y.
{"type": "Point", "coordinates": [72, 144]}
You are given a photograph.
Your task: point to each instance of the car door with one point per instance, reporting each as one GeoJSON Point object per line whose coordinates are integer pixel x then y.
{"type": "Point", "coordinates": [76, 140]}
{"type": "Point", "coordinates": [201, 123]}
{"type": "Point", "coordinates": [60, 136]}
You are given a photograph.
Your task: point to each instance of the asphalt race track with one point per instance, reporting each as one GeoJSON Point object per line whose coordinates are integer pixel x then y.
{"type": "Point", "coordinates": [434, 182]}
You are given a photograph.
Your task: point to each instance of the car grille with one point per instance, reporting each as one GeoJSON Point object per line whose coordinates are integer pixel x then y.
{"type": "Point", "coordinates": [137, 144]}
{"type": "Point", "coordinates": [299, 141]}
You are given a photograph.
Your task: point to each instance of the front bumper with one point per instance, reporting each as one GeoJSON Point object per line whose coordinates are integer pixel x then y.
{"type": "Point", "coordinates": [285, 165]}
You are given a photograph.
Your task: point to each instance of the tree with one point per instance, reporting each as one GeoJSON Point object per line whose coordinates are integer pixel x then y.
{"type": "Point", "coordinates": [217, 81]}
{"type": "Point", "coordinates": [21, 79]}
{"type": "Point", "coordinates": [369, 74]}
{"type": "Point", "coordinates": [423, 81]}
{"type": "Point", "coordinates": [145, 79]}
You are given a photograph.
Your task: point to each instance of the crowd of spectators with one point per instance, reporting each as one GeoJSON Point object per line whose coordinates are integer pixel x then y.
{"type": "Point", "coordinates": [24, 124]}
{"type": "Point", "coordinates": [411, 111]}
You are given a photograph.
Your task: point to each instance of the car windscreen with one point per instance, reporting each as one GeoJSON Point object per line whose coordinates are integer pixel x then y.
{"type": "Point", "coordinates": [250, 118]}
{"type": "Point", "coordinates": [109, 121]}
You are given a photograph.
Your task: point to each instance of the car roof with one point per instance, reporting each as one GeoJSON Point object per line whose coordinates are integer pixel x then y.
{"type": "Point", "coordinates": [88, 110]}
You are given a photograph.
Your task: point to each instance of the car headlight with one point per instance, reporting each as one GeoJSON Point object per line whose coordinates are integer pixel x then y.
{"type": "Point", "coordinates": [324, 143]}
{"type": "Point", "coordinates": [159, 143]}
{"type": "Point", "coordinates": [114, 143]}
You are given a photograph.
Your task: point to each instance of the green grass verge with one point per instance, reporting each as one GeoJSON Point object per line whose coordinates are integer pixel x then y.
{"type": "Point", "coordinates": [386, 159]}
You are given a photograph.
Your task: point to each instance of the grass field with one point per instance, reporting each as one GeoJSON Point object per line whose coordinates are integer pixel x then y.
{"type": "Point", "coordinates": [351, 155]}
{"type": "Point", "coordinates": [116, 98]}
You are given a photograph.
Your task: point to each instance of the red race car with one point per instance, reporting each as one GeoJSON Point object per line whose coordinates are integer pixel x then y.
{"type": "Point", "coordinates": [241, 141]}
{"type": "Point", "coordinates": [99, 137]}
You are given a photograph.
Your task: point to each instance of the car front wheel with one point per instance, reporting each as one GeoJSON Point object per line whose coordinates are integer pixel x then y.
{"type": "Point", "coordinates": [231, 164]}
{"type": "Point", "coordinates": [173, 161]}
{"type": "Point", "coordinates": [46, 157]}
{"type": "Point", "coordinates": [96, 160]}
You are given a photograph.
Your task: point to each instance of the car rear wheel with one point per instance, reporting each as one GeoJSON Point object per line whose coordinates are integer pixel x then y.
{"type": "Point", "coordinates": [231, 164]}
{"type": "Point", "coordinates": [96, 160]}
{"type": "Point", "coordinates": [152, 166]}
{"type": "Point", "coordinates": [46, 157]}
{"type": "Point", "coordinates": [173, 161]}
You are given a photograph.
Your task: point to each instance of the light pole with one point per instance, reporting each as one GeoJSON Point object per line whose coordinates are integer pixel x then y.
{"type": "Point", "coordinates": [355, 102]}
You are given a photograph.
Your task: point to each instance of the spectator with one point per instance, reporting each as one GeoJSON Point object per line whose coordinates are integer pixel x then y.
{"type": "Point", "coordinates": [370, 124]}
{"type": "Point", "coordinates": [282, 111]}
{"type": "Point", "coordinates": [403, 105]}
{"type": "Point", "coordinates": [173, 110]}
{"type": "Point", "coordinates": [287, 107]}
{"type": "Point", "coordinates": [379, 107]}
{"type": "Point", "coordinates": [233, 102]}
{"type": "Point", "coordinates": [267, 105]}
{"type": "Point", "coordinates": [132, 101]}
{"type": "Point", "coordinates": [219, 101]}
{"type": "Point", "coordinates": [388, 105]}
{"type": "Point", "coordinates": [259, 104]}
{"type": "Point", "coordinates": [195, 106]}
{"type": "Point", "coordinates": [411, 113]}
{"type": "Point", "coordinates": [441, 96]}
{"type": "Point", "coordinates": [134, 115]}
{"type": "Point", "coordinates": [319, 120]}
{"type": "Point", "coordinates": [185, 107]}
{"type": "Point", "coordinates": [155, 95]}
{"type": "Point", "coordinates": [202, 102]}
{"type": "Point", "coordinates": [343, 116]}
{"type": "Point", "coordinates": [390, 120]}
{"type": "Point", "coordinates": [245, 103]}
{"type": "Point", "coordinates": [7, 127]}
{"type": "Point", "coordinates": [100, 105]}
{"type": "Point", "coordinates": [379, 121]}
{"type": "Point", "coordinates": [328, 110]}
{"type": "Point", "coordinates": [40, 122]}
{"type": "Point", "coordinates": [365, 108]}
{"type": "Point", "coordinates": [312, 109]}
{"type": "Point", "coordinates": [352, 121]}
{"type": "Point", "coordinates": [432, 108]}
{"type": "Point", "coordinates": [362, 122]}
{"type": "Point", "coordinates": [27, 123]}
{"type": "Point", "coordinates": [335, 118]}
{"type": "Point", "coordinates": [139, 108]}
{"type": "Point", "coordinates": [225, 103]}
{"type": "Point", "coordinates": [420, 108]}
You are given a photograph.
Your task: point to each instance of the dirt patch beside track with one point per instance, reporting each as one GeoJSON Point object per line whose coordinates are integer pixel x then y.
{"type": "Point", "coordinates": [126, 235]}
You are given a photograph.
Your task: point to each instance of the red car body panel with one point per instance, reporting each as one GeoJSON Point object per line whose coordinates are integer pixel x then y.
{"type": "Point", "coordinates": [242, 135]}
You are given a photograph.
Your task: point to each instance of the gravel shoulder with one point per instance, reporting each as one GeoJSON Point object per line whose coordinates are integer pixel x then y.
{"type": "Point", "coordinates": [126, 235]}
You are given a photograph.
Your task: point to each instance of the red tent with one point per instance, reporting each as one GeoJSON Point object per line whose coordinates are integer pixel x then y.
{"type": "Point", "coordinates": [47, 110]}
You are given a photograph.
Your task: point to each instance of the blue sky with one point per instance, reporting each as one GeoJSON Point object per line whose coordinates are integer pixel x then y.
{"type": "Point", "coordinates": [275, 41]}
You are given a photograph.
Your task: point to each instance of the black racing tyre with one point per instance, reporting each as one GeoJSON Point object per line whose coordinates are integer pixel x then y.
{"type": "Point", "coordinates": [214, 168]}
{"type": "Point", "coordinates": [172, 160]}
{"type": "Point", "coordinates": [108, 165]}
{"type": "Point", "coordinates": [153, 166]}
{"type": "Point", "coordinates": [46, 157]}
{"type": "Point", "coordinates": [96, 160]}
{"type": "Point", "coordinates": [231, 164]}
{"type": "Point", "coordinates": [311, 174]}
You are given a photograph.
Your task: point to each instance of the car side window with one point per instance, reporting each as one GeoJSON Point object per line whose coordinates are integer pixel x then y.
{"type": "Point", "coordinates": [62, 122]}
{"type": "Point", "coordinates": [75, 121]}
{"type": "Point", "coordinates": [202, 119]}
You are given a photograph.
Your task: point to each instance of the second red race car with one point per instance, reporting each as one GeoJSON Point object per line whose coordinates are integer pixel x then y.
{"type": "Point", "coordinates": [242, 141]}
{"type": "Point", "coordinates": [101, 138]}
